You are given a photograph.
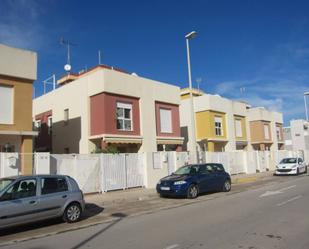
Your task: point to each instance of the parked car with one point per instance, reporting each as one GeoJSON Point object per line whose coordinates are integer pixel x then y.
{"type": "Point", "coordinates": [291, 166]}
{"type": "Point", "coordinates": [191, 180]}
{"type": "Point", "coordinates": [25, 199]}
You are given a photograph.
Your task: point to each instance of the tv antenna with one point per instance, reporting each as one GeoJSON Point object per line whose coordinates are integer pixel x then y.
{"type": "Point", "coordinates": [198, 81]}
{"type": "Point", "coordinates": [67, 43]}
{"type": "Point", "coordinates": [242, 90]}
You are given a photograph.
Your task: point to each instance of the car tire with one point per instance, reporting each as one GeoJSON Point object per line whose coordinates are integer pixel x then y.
{"type": "Point", "coordinates": [192, 191]}
{"type": "Point", "coordinates": [72, 213]}
{"type": "Point", "coordinates": [226, 186]}
{"type": "Point", "coordinates": [297, 172]}
{"type": "Point", "coordinates": [305, 170]}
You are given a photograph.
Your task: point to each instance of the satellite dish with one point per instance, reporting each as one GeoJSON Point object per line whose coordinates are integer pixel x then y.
{"type": "Point", "coordinates": [67, 67]}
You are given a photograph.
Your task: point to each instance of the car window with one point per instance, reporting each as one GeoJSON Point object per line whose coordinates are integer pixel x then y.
{"type": "Point", "coordinates": [206, 169]}
{"type": "Point", "coordinates": [51, 185]}
{"type": "Point", "coordinates": [19, 190]}
{"type": "Point", "coordinates": [218, 167]}
{"type": "Point", "coordinates": [288, 160]}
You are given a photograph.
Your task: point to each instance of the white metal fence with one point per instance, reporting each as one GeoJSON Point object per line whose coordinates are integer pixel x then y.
{"type": "Point", "coordinates": [105, 172]}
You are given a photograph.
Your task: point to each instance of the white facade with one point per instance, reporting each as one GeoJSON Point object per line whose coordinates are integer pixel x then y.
{"type": "Point", "coordinates": [299, 135]}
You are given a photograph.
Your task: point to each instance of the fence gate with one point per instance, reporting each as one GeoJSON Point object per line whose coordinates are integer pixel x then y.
{"type": "Point", "coordinates": [121, 171]}
{"type": "Point", "coordinates": [171, 162]}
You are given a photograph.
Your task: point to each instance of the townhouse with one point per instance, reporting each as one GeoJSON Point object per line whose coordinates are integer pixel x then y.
{"type": "Point", "coordinates": [18, 70]}
{"type": "Point", "coordinates": [296, 136]}
{"type": "Point", "coordinates": [226, 125]}
{"type": "Point", "coordinates": [104, 107]}
{"type": "Point", "coordinates": [266, 129]}
{"type": "Point", "coordinates": [220, 123]}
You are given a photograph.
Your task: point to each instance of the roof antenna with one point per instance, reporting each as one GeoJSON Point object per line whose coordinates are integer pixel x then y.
{"type": "Point", "coordinates": [67, 67]}
{"type": "Point", "coordinates": [99, 55]}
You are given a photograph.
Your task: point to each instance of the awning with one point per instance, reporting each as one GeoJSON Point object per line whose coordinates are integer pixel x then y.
{"type": "Point", "coordinates": [241, 142]}
{"type": "Point", "coordinates": [20, 133]}
{"type": "Point", "coordinates": [170, 140]}
{"type": "Point", "coordinates": [118, 139]}
{"type": "Point", "coordinates": [219, 140]}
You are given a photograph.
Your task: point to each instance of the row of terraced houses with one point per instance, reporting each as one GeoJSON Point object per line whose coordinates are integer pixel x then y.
{"type": "Point", "coordinates": [107, 107]}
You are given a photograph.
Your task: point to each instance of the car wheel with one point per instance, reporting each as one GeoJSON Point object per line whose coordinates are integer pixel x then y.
{"type": "Point", "coordinates": [226, 186]}
{"type": "Point", "coordinates": [305, 170]}
{"type": "Point", "coordinates": [72, 213]}
{"type": "Point", "coordinates": [192, 191]}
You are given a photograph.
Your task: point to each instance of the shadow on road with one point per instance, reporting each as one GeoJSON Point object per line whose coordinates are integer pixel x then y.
{"type": "Point", "coordinates": [120, 217]}
{"type": "Point", "coordinates": [90, 211]}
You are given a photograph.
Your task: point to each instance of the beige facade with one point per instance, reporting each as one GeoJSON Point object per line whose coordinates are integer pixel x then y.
{"type": "Point", "coordinates": [17, 73]}
{"type": "Point", "coordinates": [266, 129]}
{"type": "Point", "coordinates": [76, 98]}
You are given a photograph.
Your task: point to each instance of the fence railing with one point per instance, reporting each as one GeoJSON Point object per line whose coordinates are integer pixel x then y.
{"type": "Point", "coordinates": [105, 172]}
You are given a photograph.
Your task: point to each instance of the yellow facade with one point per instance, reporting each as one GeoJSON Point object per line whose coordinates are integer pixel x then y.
{"type": "Point", "coordinates": [205, 129]}
{"type": "Point", "coordinates": [243, 128]}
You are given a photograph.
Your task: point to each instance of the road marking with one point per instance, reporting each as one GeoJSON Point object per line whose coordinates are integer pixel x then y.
{"type": "Point", "coordinates": [172, 246]}
{"type": "Point", "coordinates": [292, 199]}
{"type": "Point", "coordinates": [275, 192]}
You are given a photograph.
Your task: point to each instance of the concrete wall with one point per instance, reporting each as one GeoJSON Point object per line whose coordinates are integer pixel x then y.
{"type": "Point", "coordinates": [300, 134]}
{"type": "Point", "coordinates": [18, 63]}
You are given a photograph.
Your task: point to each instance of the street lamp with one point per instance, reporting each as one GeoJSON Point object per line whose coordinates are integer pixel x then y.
{"type": "Point", "coordinates": [306, 110]}
{"type": "Point", "coordinates": [189, 36]}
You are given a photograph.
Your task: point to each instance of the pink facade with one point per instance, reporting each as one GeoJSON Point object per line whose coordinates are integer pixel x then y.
{"type": "Point", "coordinates": [175, 119]}
{"type": "Point", "coordinates": [103, 119]}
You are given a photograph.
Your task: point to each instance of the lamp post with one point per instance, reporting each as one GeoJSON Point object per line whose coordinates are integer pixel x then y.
{"type": "Point", "coordinates": [192, 146]}
{"type": "Point", "coordinates": [306, 110]}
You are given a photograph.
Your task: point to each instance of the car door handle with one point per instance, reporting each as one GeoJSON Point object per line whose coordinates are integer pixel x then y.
{"type": "Point", "coordinates": [64, 196]}
{"type": "Point", "coordinates": [32, 202]}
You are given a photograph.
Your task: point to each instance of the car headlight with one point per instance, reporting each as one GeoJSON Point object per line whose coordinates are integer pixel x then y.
{"type": "Point", "coordinates": [180, 182]}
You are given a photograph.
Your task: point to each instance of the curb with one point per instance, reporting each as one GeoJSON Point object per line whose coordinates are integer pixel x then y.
{"type": "Point", "coordinates": [245, 180]}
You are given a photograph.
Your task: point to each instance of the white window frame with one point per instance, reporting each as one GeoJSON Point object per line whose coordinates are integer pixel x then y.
{"type": "Point", "coordinates": [219, 126]}
{"type": "Point", "coordinates": [266, 131]}
{"type": "Point", "coordinates": [238, 127]}
{"type": "Point", "coordinates": [127, 106]}
{"type": "Point", "coordinates": [6, 104]}
{"type": "Point", "coordinates": [38, 124]}
{"type": "Point", "coordinates": [166, 125]}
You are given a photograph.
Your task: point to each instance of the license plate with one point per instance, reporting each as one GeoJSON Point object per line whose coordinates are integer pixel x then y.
{"type": "Point", "coordinates": [165, 188]}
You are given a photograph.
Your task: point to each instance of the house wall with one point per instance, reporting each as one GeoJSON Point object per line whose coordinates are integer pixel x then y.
{"type": "Point", "coordinates": [22, 106]}
{"type": "Point", "coordinates": [103, 114]}
{"type": "Point", "coordinates": [76, 97]}
{"type": "Point", "coordinates": [175, 119]}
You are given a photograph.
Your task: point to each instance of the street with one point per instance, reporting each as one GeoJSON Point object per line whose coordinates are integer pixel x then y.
{"type": "Point", "coordinates": [269, 216]}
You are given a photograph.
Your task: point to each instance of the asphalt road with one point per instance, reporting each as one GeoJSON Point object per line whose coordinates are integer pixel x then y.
{"type": "Point", "coordinates": [270, 216]}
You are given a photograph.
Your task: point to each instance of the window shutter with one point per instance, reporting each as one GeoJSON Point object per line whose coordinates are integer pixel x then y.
{"type": "Point", "coordinates": [6, 105]}
{"type": "Point", "coordinates": [166, 120]}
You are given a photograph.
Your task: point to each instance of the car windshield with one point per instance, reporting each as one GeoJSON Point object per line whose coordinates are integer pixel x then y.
{"type": "Point", "coordinates": [186, 170]}
{"type": "Point", "coordinates": [288, 160]}
{"type": "Point", "coordinates": [4, 183]}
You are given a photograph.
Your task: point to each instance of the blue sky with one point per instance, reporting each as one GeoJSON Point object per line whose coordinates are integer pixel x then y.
{"type": "Point", "coordinates": [259, 46]}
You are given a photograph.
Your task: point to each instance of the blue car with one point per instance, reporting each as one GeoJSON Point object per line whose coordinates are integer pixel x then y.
{"type": "Point", "coordinates": [191, 180]}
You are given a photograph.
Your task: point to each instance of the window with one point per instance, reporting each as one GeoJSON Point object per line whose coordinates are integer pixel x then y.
{"type": "Point", "coordinates": [38, 124]}
{"type": "Point", "coordinates": [218, 167]}
{"type": "Point", "coordinates": [278, 130]}
{"type": "Point", "coordinates": [124, 117]}
{"type": "Point", "coordinates": [67, 150]}
{"type": "Point", "coordinates": [66, 116]}
{"type": "Point", "coordinates": [6, 104]}
{"type": "Point", "coordinates": [218, 126]}
{"type": "Point", "coordinates": [50, 124]}
{"type": "Point", "coordinates": [165, 120]}
{"type": "Point", "coordinates": [266, 131]}
{"type": "Point", "coordinates": [238, 128]}
{"type": "Point", "coordinates": [21, 189]}
{"type": "Point", "coordinates": [51, 185]}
